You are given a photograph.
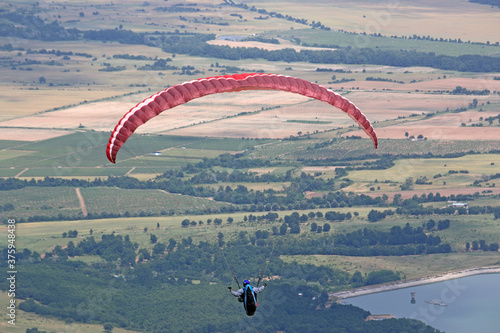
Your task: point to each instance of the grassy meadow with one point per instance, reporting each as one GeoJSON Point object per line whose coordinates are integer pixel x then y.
{"type": "Point", "coordinates": [82, 155]}
{"type": "Point", "coordinates": [341, 39]}
{"type": "Point", "coordinates": [413, 267]}
{"type": "Point", "coordinates": [475, 165]}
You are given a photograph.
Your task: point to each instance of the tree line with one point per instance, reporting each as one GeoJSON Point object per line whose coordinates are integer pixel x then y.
{"type": "Point", "coordinates": [473, 63]}
{"type": "Point", "coordinates": [367, 242]}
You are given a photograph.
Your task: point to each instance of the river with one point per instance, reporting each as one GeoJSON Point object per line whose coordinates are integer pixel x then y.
{"type": "Point", "coordinates": [469, 304]}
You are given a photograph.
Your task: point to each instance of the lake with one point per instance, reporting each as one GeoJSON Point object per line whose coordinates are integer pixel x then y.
{"type": "Point", "coordinates": [469, 304]}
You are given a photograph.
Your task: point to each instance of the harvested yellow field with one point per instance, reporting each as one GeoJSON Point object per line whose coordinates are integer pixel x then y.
{"type": "Point", "coordinates": [18, 102]}
{"type": "Point", "coordinates": [28, 134]}
{"type": "Point", "coordinates": [437, 132]}
{"type": "Point", "coordinates": [98, 116]}
{"type": "Point", "coordinates": [445, 19]}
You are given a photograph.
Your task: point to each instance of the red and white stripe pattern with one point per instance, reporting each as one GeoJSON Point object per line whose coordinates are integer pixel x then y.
{"type": "Point", "coordinates": [184, 92]}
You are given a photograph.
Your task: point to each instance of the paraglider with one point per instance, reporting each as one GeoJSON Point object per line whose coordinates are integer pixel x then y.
{"type": "Point", "coordinates": [248, 295]}
{"type": "Point", "coordinates": [184, 92]}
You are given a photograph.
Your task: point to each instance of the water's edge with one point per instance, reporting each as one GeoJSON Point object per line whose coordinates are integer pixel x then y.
{"type": "Point", "coordinates": [416, 282]}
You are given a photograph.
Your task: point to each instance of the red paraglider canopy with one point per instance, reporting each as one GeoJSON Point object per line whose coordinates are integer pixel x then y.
{"type": "Point", "coordinates": [184, 92]}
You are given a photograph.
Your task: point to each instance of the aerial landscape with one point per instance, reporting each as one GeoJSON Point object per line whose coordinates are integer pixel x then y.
{"type": "Point", "coordinates": [155, 153]}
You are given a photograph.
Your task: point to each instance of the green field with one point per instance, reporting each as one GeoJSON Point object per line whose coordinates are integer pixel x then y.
{"type": "Point", "coordinates": [43, 201]}
{"type": "Point", "coordinates": [100, 200]}
{"type": "Point", "coordinates": [8, 154]}
{"type": "Point", "coordinates": [413, 267]}
{"type": "Point", "coordinates": [52, 201]}
{"type": "Point", "coordinates": [83, 155]}
{"type": "Point", "coordinates": [334, 38]}
{"type": "Point", "coordinates": [345, 149]}
{"type": "Point", "coordinates": [476, 165]}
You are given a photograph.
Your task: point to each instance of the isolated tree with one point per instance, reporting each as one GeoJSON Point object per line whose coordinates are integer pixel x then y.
{"type": "Point", "coordinates": [220, 237]}
{"type": "Point", "coordinates": [171, 244]}
{"type": "Point", "coordinates": [314, 226]}
{"type": "Point", "coordinates": [408, 184]}
{"type": "Point", "coordinates": [42, 79]}
{"type": "Point", "coordinates": [153, 239]}
{"type": "Point", "coordinates": [326, 227]}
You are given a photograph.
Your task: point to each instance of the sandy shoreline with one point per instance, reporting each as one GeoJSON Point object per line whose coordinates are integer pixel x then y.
{"type": "Point", "coordinates": [416, 282]}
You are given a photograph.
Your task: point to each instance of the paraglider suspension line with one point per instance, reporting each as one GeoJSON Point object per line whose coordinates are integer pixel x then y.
{"type": "Point", "coordinates": [266, 261]}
